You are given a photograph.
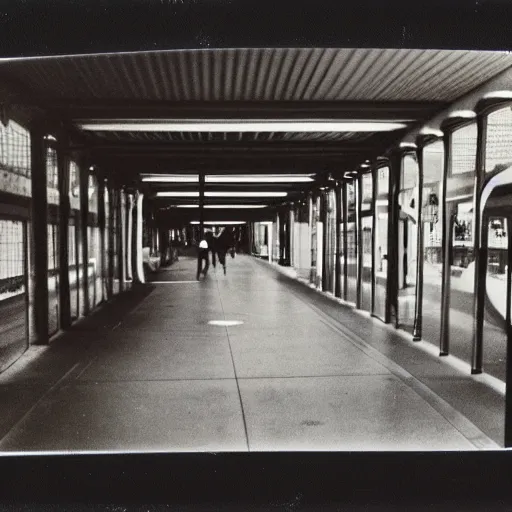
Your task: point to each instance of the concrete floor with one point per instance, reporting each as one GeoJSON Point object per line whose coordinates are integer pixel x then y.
{"type": "Point", "coordinates": [285, 377]}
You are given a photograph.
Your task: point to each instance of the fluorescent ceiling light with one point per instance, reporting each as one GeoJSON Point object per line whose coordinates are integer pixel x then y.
{"type": "Point", "coordinates": [256, 125]}
{"type": "Point", "coordinates": [220, 223]}
{"type": "Point", "coordinates": [222, 206]}
{"type": "Point", "coordinates": [222, 194]}
{"type": "Point", "coordinates": [233, 178]}
{"type": "Point", "coordinates": [173, 178]}
{"type": "Point", "coordinates": [261, 178]}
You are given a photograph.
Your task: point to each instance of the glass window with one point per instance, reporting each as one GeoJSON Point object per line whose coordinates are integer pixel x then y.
{"type": "Point", "coordinates": [433, 164]}
{"type": "Point", "coordinates": [498, 148]}
{"type": "Point", "coordinates": [464, 150]}
{"type": "Point", "coordinates": [381, 241]}
{"type": "Point", "coordinates": [13, 333]}
{"type": "Point", "coordinates": [15, 159]}
{"type": "Point", "coordinates": [383, 181]}
{"type": "Point", "coordinates": [367, 192]}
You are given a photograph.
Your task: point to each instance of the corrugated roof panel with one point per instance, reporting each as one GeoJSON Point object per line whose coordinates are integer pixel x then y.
{"type": "Point", "coordinates": [238, 136]}
{"type": "Point", "coordinates": [262, 74]}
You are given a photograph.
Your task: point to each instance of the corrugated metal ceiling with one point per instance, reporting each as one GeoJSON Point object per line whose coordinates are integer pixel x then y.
{"type": "Point", "coordinates": [261, 74]}
{"type": "Point", "coordinates": [150, 137]}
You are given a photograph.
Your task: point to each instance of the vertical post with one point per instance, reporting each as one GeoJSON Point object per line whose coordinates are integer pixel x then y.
{"type": "Point", "coordinates": [359, 242]}
{"type": "Point", "coordinates": [508, 389]}
{"type": "Point", "coordinates": [110, 238]}
{"type": "Point", "coordinates": [201, 205]}
{"type": "Point", "coordinates": [344, 197]}
{"type": "Point", "coordinates": [444, 342]}
{"type": "Point", "coordinates": [65, 207]}
{"type": "Point", "coordinates": [324, 200]}
{"type": "Point", "coordinates": [393, 235]}
{"type": "Point", "coordinates": [479, 278]}
{"type": "Point", "coordinates": [101, 227]}
{"type": "Point", "coordinates": [39, 267]}
{"type": "Point", "coordinates": [138, 241]}
{"type": "Point", "coordinates": [121, 236]}
{"type": "Point", "coordinates": [375, 178]}
{"type": "Point", "coordinates": [418, 313]}
{"type": "Point", "coordinates": [337, 281]}
{"type": "Point", "coordinates": [84, 222]}
{"type": "Point", "coordinates": [129, 229]}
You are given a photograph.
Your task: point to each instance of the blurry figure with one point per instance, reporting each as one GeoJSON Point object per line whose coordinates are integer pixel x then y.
{"type": "Point", "coordinates": [223, 242]}
{"type": "Point", "coordinates": [211, 240]}
{"type": "Point", "coordinates": [202, 255]}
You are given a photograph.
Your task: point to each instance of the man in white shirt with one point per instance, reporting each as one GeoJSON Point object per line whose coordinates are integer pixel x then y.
{"type": "Point", "coordinates": [202, 255]}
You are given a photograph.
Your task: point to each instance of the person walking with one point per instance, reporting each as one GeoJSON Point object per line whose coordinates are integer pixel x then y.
{"type": "Point", "coordinates": [202, 255]}
{"type": "Point", "coordinates": [223, 242]}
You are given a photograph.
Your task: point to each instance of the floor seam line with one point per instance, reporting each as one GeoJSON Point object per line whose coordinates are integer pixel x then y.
{"type": "Point", "coordinates": [234, 368]}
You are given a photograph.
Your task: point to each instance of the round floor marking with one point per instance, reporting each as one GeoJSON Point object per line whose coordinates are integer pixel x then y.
{"type": "Point", "coordinates": [225, 323]}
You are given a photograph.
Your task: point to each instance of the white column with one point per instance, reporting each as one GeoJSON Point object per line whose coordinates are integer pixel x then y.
{"type": "Point", "coordinates": [138, 241]}
{"type": "Point", "coordinates": [129, 238]}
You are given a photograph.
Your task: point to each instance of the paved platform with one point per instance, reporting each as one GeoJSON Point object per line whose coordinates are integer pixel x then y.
{"type": "Point", "coordinates": [251, 360]}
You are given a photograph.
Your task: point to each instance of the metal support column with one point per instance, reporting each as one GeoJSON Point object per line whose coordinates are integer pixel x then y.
{"type": "Point", "coordinates": [84, 222]}
{"type": "Point", "coordinates": [418, 303]}
{"type": "Point", "coordinates": [359, 242]}
{"type": "Point", "coordinates": [138, 239]}
{"type": "Point", "coordinates": [479, 278]}
{"type": "Point", "coordinates": [64, 208]}
{"type": "Point", "coordinates": [374, 233]}
{"type": "Point", "coordinates": [338, 248]}
{"type": "Point", "coordinates": [201, 205]}
{"type": "Point", "coordinates": [395, 162]}
{"type": "Point", "coordinates": [324, 200]}
{"type": "Point", "coordinates": [101, 227]}
{"type": "Point", "coordinates": [129, 237]}
{"type": "Point", "coordinates": [344, 205]}
{"type": "Point", "coordinates": [121, 237]}
{"type": "Point", "coordinates": [111, 240]}
{"type": "Point", "coordinates": [39, 267]}
{"type": "Point", "coordinates": [446, 244]}
{"type": "Point", "coordinates": [508, 395]}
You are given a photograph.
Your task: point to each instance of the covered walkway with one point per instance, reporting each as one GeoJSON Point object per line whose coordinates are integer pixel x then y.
{"type": "Point", "coordinates": [252, 360]}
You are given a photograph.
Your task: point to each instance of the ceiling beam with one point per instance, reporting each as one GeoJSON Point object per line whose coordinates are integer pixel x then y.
{"type": "Point", "coordinates": [141, 109]}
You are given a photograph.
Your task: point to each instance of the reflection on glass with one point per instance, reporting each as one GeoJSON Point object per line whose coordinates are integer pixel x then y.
{"type": "Point", "coordinates": [313, 223]}
{"type": "Point", "coordinates": [330, 250]}
{"type": "Point", "coordinates": [13, 296]}
{"type": "Point", "coordinates": [433, 163]}
{"type": "Point", "coordinates": [381, 241]}
{"type": "Point", "coordinates": [407, 241]}
{"type": "Point", "coordinates": [75, 269]}
{"type": "Point", "coordinates": [460, 187]}
{"type": "Point", "coordinates": [106, 275]}
{"type": "Point", "coordinates": [53, 197]}
{"type": "Point", "coordinates": [494, 332]}
{"type": "Point", "coordinates": [498, 149]}
{"type": "Point", "coordinates": [367, 263]}
{"type": "Point", "coordinates": [367, 192]}
{"type": "Point", "coordinates": [351, 243]}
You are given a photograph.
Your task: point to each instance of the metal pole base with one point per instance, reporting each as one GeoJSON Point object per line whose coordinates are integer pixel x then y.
{"type": "Point", "coordinates": [476, 372]}
{"type": "Point", "coordinates": [443, 354]}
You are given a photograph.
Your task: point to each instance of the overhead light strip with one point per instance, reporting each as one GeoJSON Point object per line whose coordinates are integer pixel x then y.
{"type": "Point", "coordinates": [220, 223]}
{"type": "Point", "coordinates": [254, 125]}
{"type": "Point", "coordinates": [222, 194]}
{"type": "Point", "coordinates": [221, 206]}
{"type": "Point", "coordinates": [233, 178]}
